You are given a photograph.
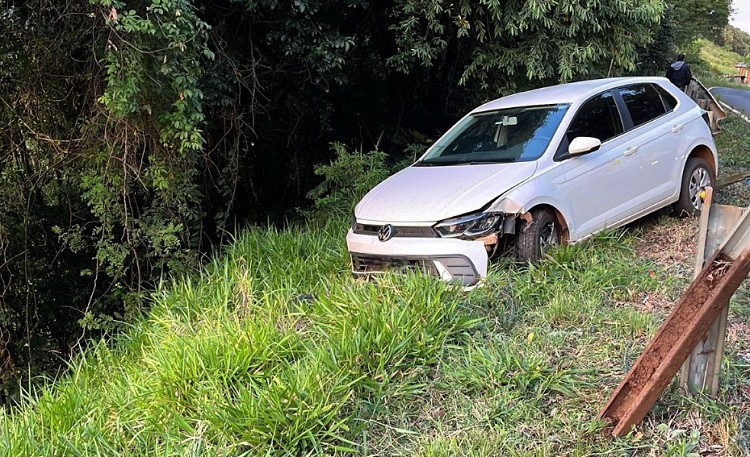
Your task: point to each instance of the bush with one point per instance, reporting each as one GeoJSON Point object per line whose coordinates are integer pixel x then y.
{"type": "Point", "coordinates": [346, 180]}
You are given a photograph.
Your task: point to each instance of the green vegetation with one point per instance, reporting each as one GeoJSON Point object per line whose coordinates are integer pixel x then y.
{"type": "Point", "coordinates": [693, 19]}
{"type": "Point", "coordinates": [714, 60]}
{"type": "Point", "coordinates": [139, 136]}
{"type": "Point", "coordinates": [276, 350]}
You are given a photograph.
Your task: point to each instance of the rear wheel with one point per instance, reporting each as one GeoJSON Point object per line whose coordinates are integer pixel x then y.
{"type": "Point", "coordinates": [536, 236]}
{"type": "Point", "coordinates": [697, 176]}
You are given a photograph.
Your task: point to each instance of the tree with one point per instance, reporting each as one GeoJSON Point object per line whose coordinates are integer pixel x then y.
{"type": "Point", "coordinates": [699, 19]}
{"type": "Point", "coordinates": [735, 40]}
{"type": "Point", "coordinates": [514, 44]}
{"type": "Point", "coordinates": [656, 57]}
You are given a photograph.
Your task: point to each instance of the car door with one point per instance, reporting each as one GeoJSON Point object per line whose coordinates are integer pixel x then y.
{"type": "Point", "coordinates": [657, 139]}
{"type": "Point", "coordinates": [600, 186]}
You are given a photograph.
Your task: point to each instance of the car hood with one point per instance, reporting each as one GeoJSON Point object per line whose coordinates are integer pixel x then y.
{"type": "Point", "coordinates": [431, 194]}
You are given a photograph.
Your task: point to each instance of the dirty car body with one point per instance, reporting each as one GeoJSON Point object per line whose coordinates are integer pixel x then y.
{"type": "Point", "coordinates": [552, 165]}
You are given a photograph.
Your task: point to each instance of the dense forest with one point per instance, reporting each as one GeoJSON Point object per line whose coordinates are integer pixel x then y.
{"type": "Point", "coordinates": [138, 136]}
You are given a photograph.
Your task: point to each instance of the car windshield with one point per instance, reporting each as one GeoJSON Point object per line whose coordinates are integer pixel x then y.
{"type": "Point", "coordinates": [509, 135]}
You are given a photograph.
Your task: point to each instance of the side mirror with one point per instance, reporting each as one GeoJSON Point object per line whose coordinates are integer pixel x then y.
{"type": "Point", "coordinates": [583, 145]}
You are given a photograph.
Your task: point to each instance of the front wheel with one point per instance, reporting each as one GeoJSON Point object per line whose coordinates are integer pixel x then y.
{"type": "Point", "coordinates": [536, 236]}
{"type": "Point", "coordinates": [697, 176]}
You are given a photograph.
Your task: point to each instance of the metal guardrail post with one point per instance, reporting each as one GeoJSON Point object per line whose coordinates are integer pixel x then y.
{"type": "Point", "coordinates": [700, 372]}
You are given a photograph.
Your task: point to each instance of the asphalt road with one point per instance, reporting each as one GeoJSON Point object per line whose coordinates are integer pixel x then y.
{"type": "Point", "coordinates": [738, 99]}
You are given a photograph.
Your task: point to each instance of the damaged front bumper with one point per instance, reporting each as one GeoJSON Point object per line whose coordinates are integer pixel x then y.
{"type": "Point", "coordinates": [451, 259]}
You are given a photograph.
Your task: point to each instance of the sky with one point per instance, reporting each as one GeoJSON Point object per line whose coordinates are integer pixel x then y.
{"type": "Point", "coordinates": [741, 16]}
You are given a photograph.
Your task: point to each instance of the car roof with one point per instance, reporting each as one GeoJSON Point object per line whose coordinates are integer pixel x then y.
{"type": "Point", "coordinates": [569, 93]}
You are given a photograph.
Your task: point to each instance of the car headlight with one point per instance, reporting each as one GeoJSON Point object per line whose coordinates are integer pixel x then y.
{"type": "Point", "coordinates": [469, 226]}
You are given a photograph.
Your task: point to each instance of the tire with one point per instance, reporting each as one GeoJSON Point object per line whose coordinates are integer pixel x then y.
{"type": "Point", "coordinates": [536, 236]}
{"type": "Point", "coordinates": [697, 176]}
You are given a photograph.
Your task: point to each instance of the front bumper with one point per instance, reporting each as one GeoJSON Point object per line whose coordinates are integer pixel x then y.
{"type": "Point", "coordinates": [453, 260]}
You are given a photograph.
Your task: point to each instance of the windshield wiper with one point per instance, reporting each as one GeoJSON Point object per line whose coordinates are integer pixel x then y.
{"type": "Point", "coordinates": [488, 162]}
{"type": "Point", "coordinates": [462, 162]}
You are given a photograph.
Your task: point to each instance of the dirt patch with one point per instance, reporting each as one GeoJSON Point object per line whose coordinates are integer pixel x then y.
{"type": "Point", "coordinates": [670, 243]}
{"type": "Point", "coordinates": [738, 337]}
{"type": "Point", "coordinates": [651, 303]}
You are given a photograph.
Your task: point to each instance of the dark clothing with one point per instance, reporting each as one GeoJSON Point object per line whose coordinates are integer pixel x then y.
{"type": "Point", "coordinates": [679, 73]}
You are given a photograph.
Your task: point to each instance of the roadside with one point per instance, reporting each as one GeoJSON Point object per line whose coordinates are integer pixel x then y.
{"type": "Point", "coordinates": [738, 113]}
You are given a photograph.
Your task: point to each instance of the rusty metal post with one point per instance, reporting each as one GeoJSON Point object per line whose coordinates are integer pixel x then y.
{"type": "Point", "coordinates": [700, 372]}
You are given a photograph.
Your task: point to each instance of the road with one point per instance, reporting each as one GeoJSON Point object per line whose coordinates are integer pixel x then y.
{"type": "Point", "coordinates": [738, 99]}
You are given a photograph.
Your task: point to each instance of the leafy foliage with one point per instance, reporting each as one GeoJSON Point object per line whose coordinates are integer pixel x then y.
{"type": "Point", "coordinates": [655, 58]}
{"type": "Point", "coordinates": [102, 116]}
{"type": "Point", "coordinates": [509, 44]}
{"type": "Point", "coordinates": [735, 40]}
{"type": "Point", "coordinates": [346, 180]}
{"type": "Point", "coordinates": [699, 19]}
{"type": "Point", "coordinates": [41, 290]}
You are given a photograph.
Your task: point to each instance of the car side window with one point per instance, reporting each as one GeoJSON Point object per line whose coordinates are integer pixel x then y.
{"type": "Point", "coordinates": [669, 101]}
{"type": "Point", "coordinates": [643, 101]}
{"type": "Point", "coordinates": [597, 118]}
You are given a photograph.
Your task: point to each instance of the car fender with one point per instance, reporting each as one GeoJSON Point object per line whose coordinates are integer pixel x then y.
{"type": "Point", "coordinates": [520, 200]}
{"type": "Point", "coordinates": [698, 144]}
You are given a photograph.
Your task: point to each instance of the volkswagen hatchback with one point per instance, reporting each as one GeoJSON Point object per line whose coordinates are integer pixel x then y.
{"type": "Point", "coordinates": [548, 166]}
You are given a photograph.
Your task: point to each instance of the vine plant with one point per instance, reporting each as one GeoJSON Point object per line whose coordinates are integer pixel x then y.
{"type": "Point", "coordinates": [142, 184]}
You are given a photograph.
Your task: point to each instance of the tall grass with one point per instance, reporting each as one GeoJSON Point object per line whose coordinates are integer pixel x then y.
{"type": "Point", "coordinates": [266, 353]}
{"type": "Point", "coordinates": [276, 350]}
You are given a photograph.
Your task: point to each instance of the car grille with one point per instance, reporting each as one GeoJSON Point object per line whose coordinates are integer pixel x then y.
{"type": "Point", "coordinates": [398, 231]}
{"type": "Point", "coordinates": [459, 266]}
{"type": "Point", "coordinates": [362, 263]}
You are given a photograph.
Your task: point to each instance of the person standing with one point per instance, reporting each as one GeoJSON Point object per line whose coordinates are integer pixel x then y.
{"type": "Point", "coordinates": [679, 73]}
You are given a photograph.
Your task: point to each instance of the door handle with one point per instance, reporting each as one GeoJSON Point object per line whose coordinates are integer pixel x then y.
{"type": "Point", "coordinates": [630, 151]}
{"type": "Point", "coordinates": [677, 128]}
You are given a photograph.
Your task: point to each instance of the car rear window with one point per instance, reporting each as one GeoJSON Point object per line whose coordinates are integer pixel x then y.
{"type": "Point", "coordinates": [643, 102]}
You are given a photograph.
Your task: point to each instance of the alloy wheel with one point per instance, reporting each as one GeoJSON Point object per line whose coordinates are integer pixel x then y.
{"type": "Point", "coordinates": [699, 180]}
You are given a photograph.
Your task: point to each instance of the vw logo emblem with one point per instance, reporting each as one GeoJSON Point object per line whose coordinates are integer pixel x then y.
{"type": "Point", "coordinates": [386, 232]}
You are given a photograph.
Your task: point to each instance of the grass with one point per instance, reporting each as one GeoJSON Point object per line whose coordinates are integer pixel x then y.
{"type": "Point", "coordinates": [714, 65]}
{"type": "Point", "coordinates": [274, 349]}
{"type": "Point", "coordinates": [733, 144]}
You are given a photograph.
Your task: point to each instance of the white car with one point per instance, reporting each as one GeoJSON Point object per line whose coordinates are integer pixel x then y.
{"type": "Point", "coordinates": [551, 165]}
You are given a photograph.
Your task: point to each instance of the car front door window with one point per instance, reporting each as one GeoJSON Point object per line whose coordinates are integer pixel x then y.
{"type": "Point", "coordinates": [643, 102]}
